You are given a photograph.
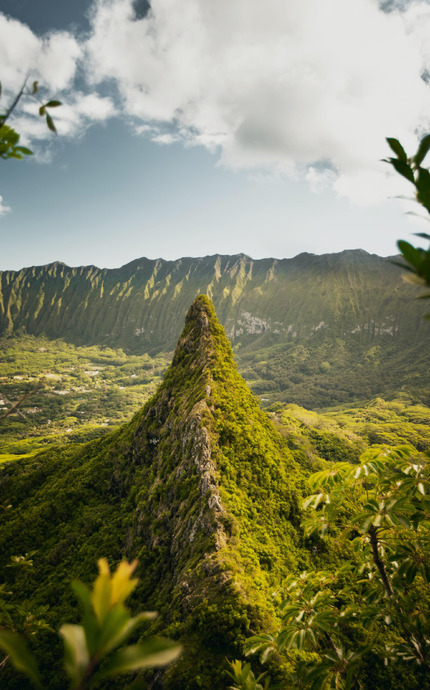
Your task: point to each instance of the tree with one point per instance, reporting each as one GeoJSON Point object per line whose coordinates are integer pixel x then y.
{"type": "Point", "coordinates": [378, 513]}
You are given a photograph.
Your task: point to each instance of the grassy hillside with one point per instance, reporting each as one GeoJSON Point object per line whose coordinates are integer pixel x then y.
{"type": "Point", "coordinates": [342, 434]}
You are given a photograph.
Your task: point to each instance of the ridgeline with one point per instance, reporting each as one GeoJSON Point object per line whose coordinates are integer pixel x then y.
{"type": "Point", "coordinates": [347, 321]}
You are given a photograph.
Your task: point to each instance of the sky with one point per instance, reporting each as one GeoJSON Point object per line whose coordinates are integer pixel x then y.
{"type": "Point", "coordinates": [198, 127]}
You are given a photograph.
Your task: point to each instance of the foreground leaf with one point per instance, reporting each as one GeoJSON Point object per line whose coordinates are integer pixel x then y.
{"type": "Point", "coordinates": [152, 652]}
{"type": "Point", "coordinates": [22, 659]}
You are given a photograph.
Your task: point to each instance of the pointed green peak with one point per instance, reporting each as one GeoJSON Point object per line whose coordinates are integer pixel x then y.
{"type": "Point", "coordinates": [199, 487]}
{"type": "Point", "coordinates": [203, 335]}
{"type": "Point", "coordinates": [203, 353]}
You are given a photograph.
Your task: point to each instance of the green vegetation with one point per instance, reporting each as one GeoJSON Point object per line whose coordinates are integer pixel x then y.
{"type": "Point", "coordinates": [9, 144]}
{"type": "Point", "coordinates": [343, 433]}
{"type": "Point", "coordinates": [198, 486]}
{"type": "Point", "coordinates": [86, 392]}
{"type": "Point", "coordinates": [206, 491]}
{"type": "Point", "coordinates": [89, 649]}
{"type": "Point", "coordinates": [376, 606]}
{"type": "Point", "coordinates": [321, 375]}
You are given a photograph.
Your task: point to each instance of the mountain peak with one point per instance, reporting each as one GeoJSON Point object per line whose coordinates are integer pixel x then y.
{"type": "Point", "coordinates": [200, 319]}
{"type": "Point", "coordinates": [199, 487]}
{"type": "Point", "coordinates": [203, 339]}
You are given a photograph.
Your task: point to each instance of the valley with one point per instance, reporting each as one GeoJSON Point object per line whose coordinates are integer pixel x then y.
{"type": "Point", "coordinates": [195, 465]}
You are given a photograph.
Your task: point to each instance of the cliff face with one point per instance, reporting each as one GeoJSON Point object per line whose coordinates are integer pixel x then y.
{"type": "Point", "coordinates": [313, 330]}
{"type": "Point", "coordinates": [141, 306]}
{"type": "Point", "coordinates": [199, 487]}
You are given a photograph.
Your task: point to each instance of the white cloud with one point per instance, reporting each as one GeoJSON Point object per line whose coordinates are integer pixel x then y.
{"type": "Point", "coordinates": [3, 208]}
{"type": "Point", "coordinates": [54, 60]}
{"type": "Point", "coordinates": [72, 119]}
{"type": "Point", "coordinates": [275, 85]}
{"type": "Point", "coordinates": [22, 54]}
{"type": "Point", "coordinates": [165, 138]}
{"type": "Point", "coordinates": [294, 88]}
{"type": "Point", "coordinates": [320, 179]}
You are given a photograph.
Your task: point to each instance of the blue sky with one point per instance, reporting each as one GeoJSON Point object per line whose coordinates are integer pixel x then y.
{"type": "Point", "coordinates": [194, 132]}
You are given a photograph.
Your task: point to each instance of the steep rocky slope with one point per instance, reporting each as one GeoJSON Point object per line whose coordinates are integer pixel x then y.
{"type": "Point", "coordinates": [199, 487]}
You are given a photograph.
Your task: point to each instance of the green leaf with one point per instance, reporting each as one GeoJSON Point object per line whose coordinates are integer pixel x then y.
{"type": "Point", "coordinates": [117, 626]}
{"type": "Point", "coordinates": [411, 254]}
{"type": "Point", "coordinates": [50, 123]}
{"type": "Point", "coordinates": [42, 110]}
{"type": "Point", "coordinates": [101, 596]}
{"type": "Point", "coordinates": [35, 87]}
{"type": "Point", "coordinates": [423, 150]}
{"type": "Point", "coordinates": [151, 652]}
{"type": "Point", "coordinates": [423, 188]}
{"type": "Point", "coordinates": [402, 168]}
{"type": "Point", "coordinates": [24, 150]}
{"type": "Point", "coordinates": [398, 149]}
{"type": "Point", "coordinates": [22, 659]}
{"type": "Point", "coordinates": [76, 657]}
{"type": "Point", "coordinates": [114, 629]}
{"type": "Point", "coordinates": [52, 104]}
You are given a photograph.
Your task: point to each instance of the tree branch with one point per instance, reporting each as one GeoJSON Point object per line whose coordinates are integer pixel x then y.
{"type": "Point", "coordinates": [10, 110]}
{"type": "Point", "coordinates": [379, 562]}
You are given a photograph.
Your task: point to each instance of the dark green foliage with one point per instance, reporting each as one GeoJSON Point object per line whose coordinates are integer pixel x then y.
{"type": "Point", "coordinates": [416, 259]}
{"type": "Point", "coordinates": [347, 620]}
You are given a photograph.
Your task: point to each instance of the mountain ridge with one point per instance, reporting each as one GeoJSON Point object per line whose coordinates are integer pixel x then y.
{"type": "Point", "coordinates": [293, 316]}
{"type": "Point", "coordinates": [206, 256]}
{"type": "Point", "coordinates": [199, 487]}
{"type": "Point", "coordinates": [33, 298]}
